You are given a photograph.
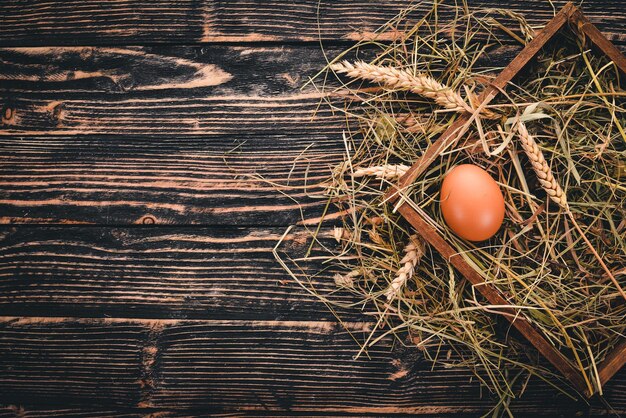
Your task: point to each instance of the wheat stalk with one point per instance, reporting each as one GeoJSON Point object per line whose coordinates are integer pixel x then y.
{"type": "Point", "coordinates": [399, 79]}
{"type": "Point", "coordinates": [541, 167]}
{"type": "Point", "coordinates": [556, 193]}
{"type": "Point", "coordinates": [413, 252]}
{"type": "Point", "coordinates": [383, 172]}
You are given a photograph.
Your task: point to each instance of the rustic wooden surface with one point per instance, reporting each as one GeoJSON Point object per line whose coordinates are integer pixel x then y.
{"type": "Point", "coordinates": [136, 274]}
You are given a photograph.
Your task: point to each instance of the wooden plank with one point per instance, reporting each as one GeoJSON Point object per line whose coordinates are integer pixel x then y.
{"type": "Point", "coordinates": [90, 22]}
{"type": "Point", "coordinates": [164, 70]}
{"type": "Point", "coordinates": [590, 31]}
{"type": "Point", "coordinates": [161, 91]}
{"type": "Point", "coordinates": [210, 273]}
{"type": "Point", "coordinates": [13, 411]}
{"type": "Point", "coordinates": [19, 411]}
{"type": "Point", "coordinates": [613, 363]}
{"type": "Point", "coordinates": [248, 366]}
{"type": "Point", "coordinates": [165, 117]}
{"type": "Point", "coordinates": [240, 180]}
{"type": "Point", "coordinates": [60, 362]}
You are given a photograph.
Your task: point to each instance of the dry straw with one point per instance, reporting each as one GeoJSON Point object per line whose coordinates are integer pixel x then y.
{"type": "Point", "coordinates": [550, 273]}
{"type": "Point", "coordinates": [556, 193]}
{"type": "Point", "coordinates": [401, 79]}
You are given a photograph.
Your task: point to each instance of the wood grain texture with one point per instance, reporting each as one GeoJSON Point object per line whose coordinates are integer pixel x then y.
{"type": "Point", "coordinates": [91, 22]}
{"type": "Point", "coordinates": [161, 91]}
{"type": "Point", "coordinates": [261, 366]}
{"type": "Point", "coordinates": [210, 273]}
{"type": "Point", "coordinates": [241, 180]}
{"type": "Point", "coordinates": [12, 411]}
{"type": "Point", "coordinates": [156, 70]}
{"type": "Point", "coordinates": [18, 411]}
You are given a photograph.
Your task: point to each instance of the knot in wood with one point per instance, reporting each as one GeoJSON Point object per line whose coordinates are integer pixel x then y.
{"type": "Point", "coordinates": [147, 220]}
{"type": "Point", "coordinates": [7, 114]}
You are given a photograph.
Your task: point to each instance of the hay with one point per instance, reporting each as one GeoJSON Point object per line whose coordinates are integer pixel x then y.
{"type": "Point", "coordinates": [547, 259]}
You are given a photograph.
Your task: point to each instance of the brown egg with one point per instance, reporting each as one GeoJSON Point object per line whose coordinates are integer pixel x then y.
{"type": "Point", "coordinates": [471, 202]}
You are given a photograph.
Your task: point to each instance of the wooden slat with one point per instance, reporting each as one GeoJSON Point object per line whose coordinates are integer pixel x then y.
{"type": "Point", "coordinates": [233, 365]}
{"type": "Point", "coordinates": [174, 116]}
{"type": "Point", "coordinates": [613, 363]}
{"type": "Point", "coordinates": [158, 273]}
{"type": "Point", "coordinates": [213, 116]}
{"type": "Point", "coordinates": [157, 70]}
{"type": "Point", "coordinates": [161, 91]}
{"type": "Point", "coordinates": [241, 180]}
{"type": "Point", "coordinates": [60, 362]}
{"type": "Point", "coordinates": [12, 411]}
{"type": "Point", "coordinates": [18, 411]}
{"type": "Point", "coordinates": [91, 22]}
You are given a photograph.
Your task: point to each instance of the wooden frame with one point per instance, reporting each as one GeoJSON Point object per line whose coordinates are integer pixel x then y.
{"type": "Point", "coordinates": [568, 14]}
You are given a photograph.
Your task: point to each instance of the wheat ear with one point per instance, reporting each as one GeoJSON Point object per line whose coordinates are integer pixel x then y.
{"type": "Point", "coordinates": [556, 193]}
{"type": "Point", "coordinates": [398, 79]}
{"type": "Point", "coordinates": [413, 252]}
{"type": "Point", "coordinates": [383, 172]}
{"type": "Point", "coordinates": [347, 280]}
{"type": "Point", "coordinates": [341, 234]}
{"type": "Point", "coordinates": [541, 167]}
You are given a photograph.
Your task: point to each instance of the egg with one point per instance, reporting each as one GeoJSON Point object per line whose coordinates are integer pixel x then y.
{"type": "Point", "coordinates": [471, 202]}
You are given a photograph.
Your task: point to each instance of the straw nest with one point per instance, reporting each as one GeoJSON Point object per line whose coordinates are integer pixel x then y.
{"type": "Point", "coordinates": [556, 144]}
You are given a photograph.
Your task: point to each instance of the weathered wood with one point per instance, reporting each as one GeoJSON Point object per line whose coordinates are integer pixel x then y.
{"type": "Point", "coordinates": [19, 411]}
{"type": "Point", "coordinates": [161, 117]}
{"type": "Point", "coordinates": [91, 22]}
{"type": "Point", "coordinates": [591, 32]}
{"type": "Point", "coordinates": [161, 71]}
{"type": "Point", "coordinates": [55, 361]}
{"type": "Point", "coordinates": [211, 273]}
{"type": "Point", "coordinates": [162, 91]}
{"type": "Point", "coordinates": [12, 411]}
{"type": "Point", "coordinates": [259, 366]}
{"type": "Point", "coordinates": [111, 411]}
{"type": "Point", "coordinates": [239, 180]}
{"type": "Point", "coordinates": [613, 363]}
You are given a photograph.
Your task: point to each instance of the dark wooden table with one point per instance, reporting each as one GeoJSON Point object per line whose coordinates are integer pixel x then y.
{"type": "Point", "coordinates": [136, 274]}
